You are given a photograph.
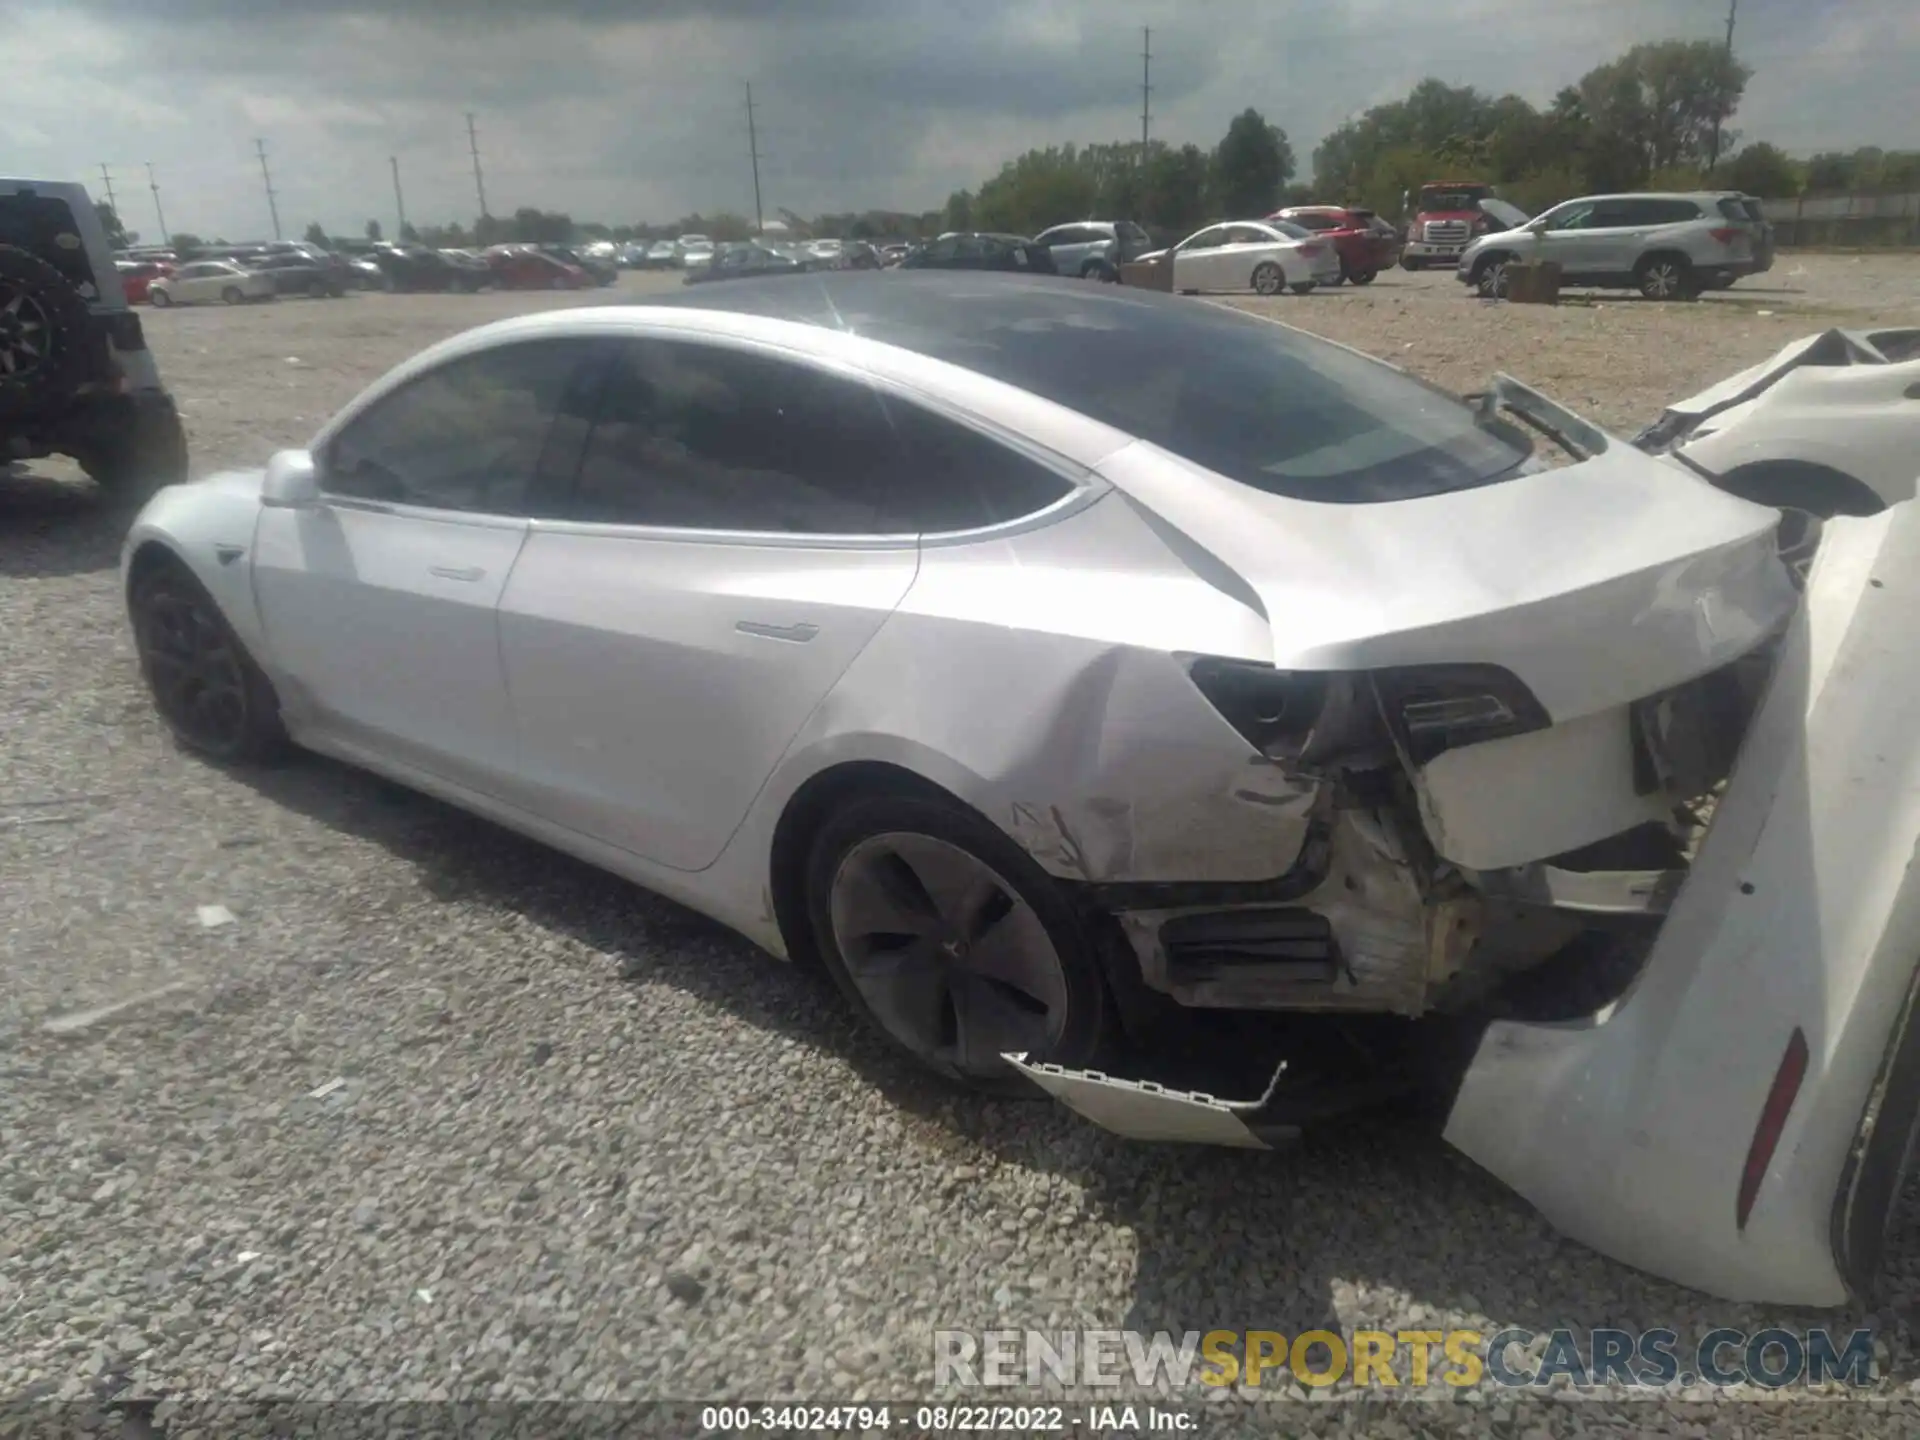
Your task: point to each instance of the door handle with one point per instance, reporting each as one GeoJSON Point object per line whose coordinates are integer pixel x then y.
{"type": "Point", "coordinates": [456, 572]}
{"type": "Point", "coordinates": [798, 634]}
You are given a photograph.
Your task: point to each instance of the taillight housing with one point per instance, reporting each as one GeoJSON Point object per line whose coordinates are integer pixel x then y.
{"type": "Point", "coordinates": [1427, 709]}
{"type": "Point", "coordinates": [1432, 709]}
{"type": "Point", "coordinates": [1725, 234]}
{"type": "Point", "coordinates": [1311, 250]}
{"type": "Point", "coordinates": [1771, 1124]}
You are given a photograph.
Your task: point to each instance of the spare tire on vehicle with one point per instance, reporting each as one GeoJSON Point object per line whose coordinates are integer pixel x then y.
{"type": "Point", "coordinates": [44, 326]}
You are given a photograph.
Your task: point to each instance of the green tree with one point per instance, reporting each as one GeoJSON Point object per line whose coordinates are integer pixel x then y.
{"type": "Point", "coordinates": [1764, 170]}
{"type": "Point", "coordinates": [958, 214]}
{"type": "Point", "coordinates": [1039, 189]}
{"type": "Point", "coordinates": [186, 243]}
{"type": "Point", "coordinates": [409, 234]}
{"type": "Point", "coordinates": [373, 230]}
{"type": "Point", "coordinates": [316, 233]}
{"type": "Point", "coordinates": [1175, 191]}
{"type": "Point", "coordinates": [117, 236]}
{"type": "Point", "coordinates": [1662, 101]}
{"type": "Point", "coordinates": [1251, 165]}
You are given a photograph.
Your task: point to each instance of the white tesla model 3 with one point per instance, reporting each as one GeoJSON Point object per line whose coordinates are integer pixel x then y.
{"type": "Point", "coordinates": [1018, 650]}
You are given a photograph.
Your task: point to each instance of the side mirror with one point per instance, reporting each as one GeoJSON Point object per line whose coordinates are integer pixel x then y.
{"type": "Point", "coordinates": [292, 480]}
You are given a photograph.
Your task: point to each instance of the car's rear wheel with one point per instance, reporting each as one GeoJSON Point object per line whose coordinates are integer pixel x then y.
{"type": "Point", "coordinates": [1268, 279]}
{"type": "Point", "coordinates": [1665, 277]}
{"type": "Point", "coordinates": [1362, 277]}
{"type": "Point", "coordinates": [233, 295]}
{"type": "Point", "coordinates": [1306, 288]}
{"type": "Point", "coordinates": [1100, 270]}
{"type": "Point", "coordinates": [952, 943]}
{"type": "Point", "coordinates": [207, 688]}
{"type": "Point", "coordinates": [1407, 262]}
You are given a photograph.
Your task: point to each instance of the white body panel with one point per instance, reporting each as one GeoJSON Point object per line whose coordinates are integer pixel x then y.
{"type": "Point", "coordinates": [657, 679]}
{"type": "Point", "coordinates": [1803, 910]}
{"type": "Point", "coordinates": [1858, 419]}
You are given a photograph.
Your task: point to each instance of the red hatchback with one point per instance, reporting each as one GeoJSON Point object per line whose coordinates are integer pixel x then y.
{"type": "Point", "coordinates": [522, 267]}
{"type": "Point", "coordinates": [1366, 243]}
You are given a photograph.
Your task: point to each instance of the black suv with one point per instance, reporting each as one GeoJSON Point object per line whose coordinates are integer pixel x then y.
{"type": "Point", "coordinates": [76, 377]}
{"type": "Point", "coordinates": [981, 250]}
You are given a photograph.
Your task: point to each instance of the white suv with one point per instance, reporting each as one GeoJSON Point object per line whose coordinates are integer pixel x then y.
{"type": "Point", "coordinates": [1668, 247]}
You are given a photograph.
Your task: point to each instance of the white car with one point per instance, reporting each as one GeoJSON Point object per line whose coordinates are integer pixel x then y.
{"type": "Point", "coordinates": [1058, 664]}
{"type": "Point", "coordinates": [1265, 256]}
{"type": "Point", "coordinates": [825, 249]}
{"type": "Point", "coordinates": [663, 253]}
{"type": "Point", "coordinates": [694, 251]}
{"type": "Point", "coordinates": [203, 282]}
{"type": "Point", "coordinates": [1828, 425]}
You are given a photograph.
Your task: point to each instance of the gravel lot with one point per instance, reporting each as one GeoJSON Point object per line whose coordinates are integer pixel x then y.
{"type": "Point", "coordinates": [587, 1145]}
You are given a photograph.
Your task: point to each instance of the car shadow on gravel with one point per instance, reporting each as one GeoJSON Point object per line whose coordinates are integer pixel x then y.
{"type": "Point", "coordinates": [51, 525]}
{"type": "Point", "coordinates": [1376, 1218]}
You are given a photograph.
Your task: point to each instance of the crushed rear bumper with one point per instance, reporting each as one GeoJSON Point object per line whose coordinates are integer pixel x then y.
{"type": "Point", "coordinates": [1630, 1130]}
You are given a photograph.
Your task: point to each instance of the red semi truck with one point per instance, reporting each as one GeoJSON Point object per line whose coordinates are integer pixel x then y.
{"type": "Point", "coordinates": [1446, 219]}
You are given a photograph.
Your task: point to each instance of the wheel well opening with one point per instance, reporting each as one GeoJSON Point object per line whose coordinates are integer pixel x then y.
{"type": "Point", "coordinates": [806, 812]}
{"type": "Point", "coordinates": [150, 557]}
{"type": "Point", "coordinates": [1652, 255]}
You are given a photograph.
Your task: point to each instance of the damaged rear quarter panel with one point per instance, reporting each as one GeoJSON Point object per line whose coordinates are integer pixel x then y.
{"type": "Point", "coordinates": [1039, 678]}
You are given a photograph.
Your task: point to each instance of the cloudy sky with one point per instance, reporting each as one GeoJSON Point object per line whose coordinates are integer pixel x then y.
{"type": "Point", "coordinates": [631, 110]}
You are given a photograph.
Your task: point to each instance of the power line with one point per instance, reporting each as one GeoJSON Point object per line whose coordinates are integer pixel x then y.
{"type": "Point", "coordinates": [479, 183]}
{"type": "Point", "coordinates": [399, 200]}
{"type": "Point", "coordinates": [1146, 87]}
{"type": "Point", "coordinates": [753, 152]}
{"type": "Point", "coordinates": [154, 185]}
{"type": "Point", "coordinates": [266, 179]}
{"type": "Point", "coordinates": [106, 178]}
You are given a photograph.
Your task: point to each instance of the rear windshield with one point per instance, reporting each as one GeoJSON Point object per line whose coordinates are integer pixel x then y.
{"type": "Point", "coordinates": [1261, 403]}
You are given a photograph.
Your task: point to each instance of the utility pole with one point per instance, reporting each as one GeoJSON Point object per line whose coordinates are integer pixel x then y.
{"type": "Point", "coordinates": [1713, 152]}
{"type": "Point", "coordinates": [399, 200]}
{"type": "Point", "coordinates": [161, 215]}
{"type": "Point", "coordinates": [107, 180]}
{"type": "Point", "coordinates": [1146, 86]}
{"type": "Point", "coordinates": [266, 178]}
{"type": "Point", "coordinates": [753, 153]}
{"type": "Point", "coordinates": [479, 184]}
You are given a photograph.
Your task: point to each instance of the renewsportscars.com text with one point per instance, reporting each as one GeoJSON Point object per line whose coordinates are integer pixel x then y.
{"type": "Point", "coordinates": [1457, 1359]}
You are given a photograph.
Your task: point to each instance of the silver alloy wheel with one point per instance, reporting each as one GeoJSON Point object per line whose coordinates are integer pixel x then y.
{"type": "Point", "coordinates": [1493, 281]}
{"type": "Point", "coordinates": [1267, 279]}
{"type": "Point", "coordinates": [26, 335]}
{"type": "Point", "coordinates": [1662, 280]}
{"type": "Point", "coordinates": [952, 962]}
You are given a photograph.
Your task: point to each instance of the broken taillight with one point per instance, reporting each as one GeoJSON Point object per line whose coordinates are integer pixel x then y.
{"type": "Point", "coordinates": [1436, 708]}
{"type": "Point", "coordinates": [1773, 1120]}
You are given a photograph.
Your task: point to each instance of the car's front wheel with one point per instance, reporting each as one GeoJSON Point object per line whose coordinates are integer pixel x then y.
{"type": "Point", "coordinates": [1490, 280]}
{"type": "Point", "coordinates": [207, 688]}
{"type": "Point", "coordinates": [953, 943]}
{"type": "Point", "coordinates": [233, 295]}
{"type": "Point", "coordinates": [159, 299]}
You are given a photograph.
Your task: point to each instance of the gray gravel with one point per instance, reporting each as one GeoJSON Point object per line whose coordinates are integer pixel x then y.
{"type": "Point", "coordinates": [440, 1113]}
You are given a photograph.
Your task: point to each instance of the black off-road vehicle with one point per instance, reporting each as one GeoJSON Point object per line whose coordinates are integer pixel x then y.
{"type": "Point", "coordinates": [76, 377]}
